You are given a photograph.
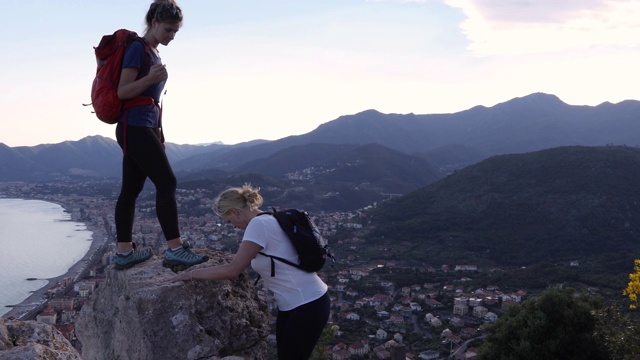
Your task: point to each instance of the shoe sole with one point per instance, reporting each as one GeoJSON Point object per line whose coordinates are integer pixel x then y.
{"type": "Point", "coordinates": [129, 265]}
{"type": "Point", "coordinates": [177, 266]}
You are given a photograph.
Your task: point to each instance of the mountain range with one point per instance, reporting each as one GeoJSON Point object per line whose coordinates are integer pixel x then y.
{"type": "Point", "coordinates": [375, 155]}
{"type": "Point", "coordinates": [534, 122]}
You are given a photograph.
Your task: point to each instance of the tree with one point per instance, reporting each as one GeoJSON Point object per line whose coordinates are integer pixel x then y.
{"type": "Point", "coordinates": [556, 325]}
{"type": "Point", "coordinates": [633, 289]}
{"type": "Point", "coordinates": [619, 332]}
{"type": "Point", "coordinates": [320, 351]}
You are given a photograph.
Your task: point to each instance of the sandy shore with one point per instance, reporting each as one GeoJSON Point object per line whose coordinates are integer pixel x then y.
{"type": "Point", "coordinates": [37, 298]}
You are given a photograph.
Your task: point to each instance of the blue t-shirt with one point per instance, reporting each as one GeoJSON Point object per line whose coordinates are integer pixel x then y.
{"type": "Point", "coordinates": [148, 116]}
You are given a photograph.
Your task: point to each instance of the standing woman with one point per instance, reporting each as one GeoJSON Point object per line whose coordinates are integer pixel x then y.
{"type": "Point", "coordinates": [302, 298]}
{"type": "Point", "coordinates": [139, 134]}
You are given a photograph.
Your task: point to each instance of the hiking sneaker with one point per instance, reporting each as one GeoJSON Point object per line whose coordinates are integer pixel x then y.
{"type": "Point", "coordinates": [182, 258]}
{"type": "Point", "coordinates": [136, 256]}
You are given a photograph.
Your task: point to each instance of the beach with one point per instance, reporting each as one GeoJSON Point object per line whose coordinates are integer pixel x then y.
{"type": "Point", "coordinates": [28, 308]}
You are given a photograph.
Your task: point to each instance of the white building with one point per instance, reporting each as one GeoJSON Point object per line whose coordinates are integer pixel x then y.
{"type": "Point", "coordinates": [490, 317]}
{"type": "Point", "coordinates": [381, 334]}
{"type": "Point", "coordinates": [429, 355]}
{"type": "Point", "coordinates": [460, 310]}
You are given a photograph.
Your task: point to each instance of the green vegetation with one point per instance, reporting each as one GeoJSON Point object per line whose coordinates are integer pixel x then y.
{"type": "Point", "coordinates": [619, 331]}
{"type": "Point", "coordinates": [598, 272]}
{"type": "Point", "coordinates": [557, 325]}
{"type": "Point", "coordinates": [320, 351]}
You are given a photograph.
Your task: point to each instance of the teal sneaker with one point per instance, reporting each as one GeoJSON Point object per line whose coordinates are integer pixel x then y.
{"type": "Point", "coordinates": [136, 256]}
{"type": "Point", "coordinates": [182, 258]}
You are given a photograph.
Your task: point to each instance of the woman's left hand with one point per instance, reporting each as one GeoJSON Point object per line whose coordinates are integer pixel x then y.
{"type": "Point", "coordinates": [183, 276]}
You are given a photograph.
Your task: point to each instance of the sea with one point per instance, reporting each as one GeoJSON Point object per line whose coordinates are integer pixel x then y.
{"type": "Point", "coordinates": [38, 241]}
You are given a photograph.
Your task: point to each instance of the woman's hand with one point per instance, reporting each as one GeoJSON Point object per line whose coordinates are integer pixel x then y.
{"type": "Point", "coordinates": [130, 86]}
{"type": "Point", "coordinates": [247, 252]}
{"type": "Point", "coordinates": [182, 276]}
{"type": "Point", "coordinates": [157, 73]}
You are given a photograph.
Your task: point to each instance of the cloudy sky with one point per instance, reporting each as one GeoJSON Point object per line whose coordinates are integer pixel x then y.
{"type": "Point", "coordinates": [241, 70]}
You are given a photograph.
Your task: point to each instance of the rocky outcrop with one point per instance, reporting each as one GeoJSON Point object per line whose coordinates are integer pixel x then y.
{"type": "Point", "coordinates": [34, 341]}
{"type": "Point", "coordinates": [137, 314]}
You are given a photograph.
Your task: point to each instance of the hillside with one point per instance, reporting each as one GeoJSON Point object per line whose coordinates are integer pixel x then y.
{"type": "Point", "coordinates": [554, 205]}
{"type": "Point", "coordinates": [320, 177]}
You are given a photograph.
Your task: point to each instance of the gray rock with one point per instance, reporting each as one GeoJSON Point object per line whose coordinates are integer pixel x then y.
{"type": "Point", "coordinates": [136, 314]}
{"type": "Point", "coordinates": [31, 340]}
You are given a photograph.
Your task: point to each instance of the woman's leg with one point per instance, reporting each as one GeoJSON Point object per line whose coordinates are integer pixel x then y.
{"type": "Point", "coordinates": [298, 330]}
{"type": "Point", "coordinates": [133, 179]}
{"type": "Point", "coordinates": [147, 152]}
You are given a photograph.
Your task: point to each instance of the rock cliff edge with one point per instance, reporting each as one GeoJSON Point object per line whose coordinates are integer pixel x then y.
{"type": "Point", "coordinates": [137, 314]}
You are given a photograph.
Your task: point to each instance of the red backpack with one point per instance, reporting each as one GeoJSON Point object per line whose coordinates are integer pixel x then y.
{"type": "Point", "coordinates": [104, 92]}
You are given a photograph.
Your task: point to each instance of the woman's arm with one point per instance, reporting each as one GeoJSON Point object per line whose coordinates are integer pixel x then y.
{"type": "Point", "coordinates": [129, 87]}
{"type": "Point", "coordinates": [248, 251]}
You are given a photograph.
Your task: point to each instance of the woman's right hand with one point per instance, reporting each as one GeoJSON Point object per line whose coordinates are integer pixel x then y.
{"type": "Point", "coordinates": [158, 73]}
{"type": "Point", "coordinates": [129, 87]}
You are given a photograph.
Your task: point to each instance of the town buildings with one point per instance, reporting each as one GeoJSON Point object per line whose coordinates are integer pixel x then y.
{"type": "Point", "coordinates": [378, 323]}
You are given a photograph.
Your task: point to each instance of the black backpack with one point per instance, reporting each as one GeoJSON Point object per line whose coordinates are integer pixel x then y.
{"type": "Point", "coordinates": [312, 248]}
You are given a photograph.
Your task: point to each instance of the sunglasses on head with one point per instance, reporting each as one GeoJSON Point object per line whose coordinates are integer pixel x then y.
{"type": "Point", "coordinates": [169, 8]}
{"type": "Point", "coordinates": [174, 10]}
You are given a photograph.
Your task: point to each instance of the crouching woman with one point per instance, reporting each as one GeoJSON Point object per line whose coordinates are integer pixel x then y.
{"type": "Point", "coordinates": [302, 298]}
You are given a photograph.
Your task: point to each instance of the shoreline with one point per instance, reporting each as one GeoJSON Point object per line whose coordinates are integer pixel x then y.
{"type": "Point", "coordinates": [37, 298]}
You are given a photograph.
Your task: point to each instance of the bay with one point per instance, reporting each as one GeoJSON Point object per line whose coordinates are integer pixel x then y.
{"type": "Point", "coordinates": [38, 240]}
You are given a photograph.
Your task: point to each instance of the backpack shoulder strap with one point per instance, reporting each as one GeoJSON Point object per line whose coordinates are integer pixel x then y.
{"type": "Point", "coordinates": [146, 65]}
{"type": "Point", "coordinates": [273, 268]}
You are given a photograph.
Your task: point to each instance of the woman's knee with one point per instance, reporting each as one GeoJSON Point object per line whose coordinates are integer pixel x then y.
{"type": "Point", "coordinates": [130, 191]}
{"type": "Point", "coordinates": [165, 184]}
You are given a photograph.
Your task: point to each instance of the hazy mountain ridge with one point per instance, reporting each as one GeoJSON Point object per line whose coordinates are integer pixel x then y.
{"type": "Point", "coordinates": [296, 158]}
{"type": "Point", "coordinates": [448, 141]}
{"type": "Point", "coordinates": [535, 122]}
{"type": "Point", "coordinates": [379, 168]}
{"type": "Point", "coordinates": [329, 177]}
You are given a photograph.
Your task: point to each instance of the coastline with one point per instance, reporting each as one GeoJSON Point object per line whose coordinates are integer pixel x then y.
{"type": "Point", "coordinates": [37, 298]}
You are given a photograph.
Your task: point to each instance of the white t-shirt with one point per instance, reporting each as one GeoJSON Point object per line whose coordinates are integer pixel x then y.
{"type": "Point", "coordinates": [291, 286]}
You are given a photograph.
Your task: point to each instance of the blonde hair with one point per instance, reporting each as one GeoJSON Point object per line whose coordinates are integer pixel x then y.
{"type": "Point", "coordinates": [238, 198]}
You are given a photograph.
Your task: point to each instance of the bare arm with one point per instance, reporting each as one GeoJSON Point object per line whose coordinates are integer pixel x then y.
{"type": "Point", "coordinates": [247, 251]}
{"type": "Point", "coordinates": [129, 87]}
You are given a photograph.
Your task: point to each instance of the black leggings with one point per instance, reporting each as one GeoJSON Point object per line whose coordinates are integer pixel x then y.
{"type": "Point", "coordinates": [298, 330]}
{"type": "Point", "coordinates": [144, 156]}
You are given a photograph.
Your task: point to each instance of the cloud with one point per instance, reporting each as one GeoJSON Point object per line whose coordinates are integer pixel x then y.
{"type": "Point", "coordinates": [542, 26]}
{"type": "Point", "coordinates": [538, 11]}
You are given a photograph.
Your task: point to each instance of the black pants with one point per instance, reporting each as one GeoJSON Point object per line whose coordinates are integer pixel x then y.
{"type": "Point", "coordinates": [144, 157]}
{"type": "Point", "coordinates": [298, 330]}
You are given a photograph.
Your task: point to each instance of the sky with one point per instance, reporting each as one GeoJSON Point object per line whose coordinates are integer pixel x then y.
{"type": "Point", "coordinates": [242, 70]}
